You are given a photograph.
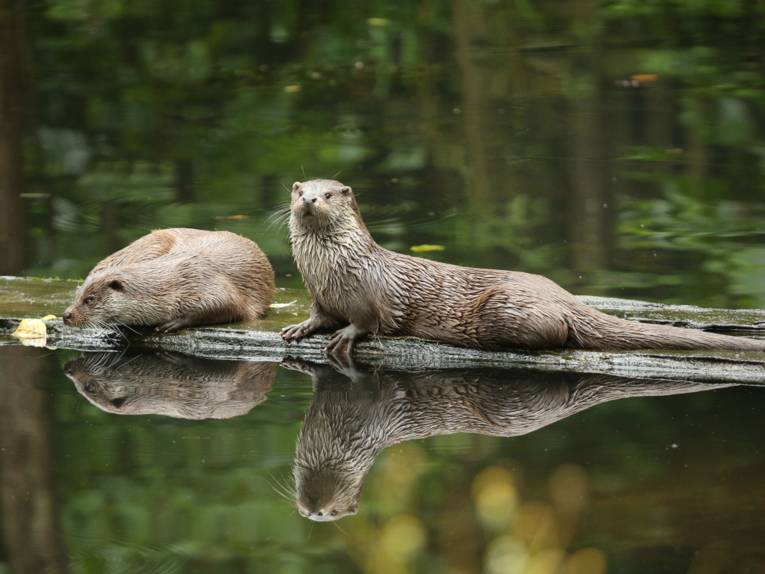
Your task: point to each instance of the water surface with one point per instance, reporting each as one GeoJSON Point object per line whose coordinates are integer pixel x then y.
{"type": "Point", "coordinates": [615, 147]}
{"type": "Point", "coordinates": [167, 463]}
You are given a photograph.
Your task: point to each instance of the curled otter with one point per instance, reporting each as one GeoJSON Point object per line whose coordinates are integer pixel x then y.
{"type": "Point", "coordinates": [176, 278]}
{"type": "Point", "coordinates": [356, 413]}
{"type": "Point", "coordinates": [170, 384]}
{"type": "Point", "coordinates": [360, 288]}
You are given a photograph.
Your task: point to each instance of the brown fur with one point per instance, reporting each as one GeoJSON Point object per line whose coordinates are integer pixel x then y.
{"type": "Point", "coordinates": [175, 278]}
{"type": "Point", "coordinates": [355, 414]}
{"type": "Point", "coordinates": [358, 284]}
{"type": "Point", "coordinates": [171, 384]}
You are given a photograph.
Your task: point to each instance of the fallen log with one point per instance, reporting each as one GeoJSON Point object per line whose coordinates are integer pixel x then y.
{"type": "Point", "coordinates": [260, 340]}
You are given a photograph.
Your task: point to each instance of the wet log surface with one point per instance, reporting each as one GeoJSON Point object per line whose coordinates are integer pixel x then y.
{"type": "Point", "coordinates": [260, 340]}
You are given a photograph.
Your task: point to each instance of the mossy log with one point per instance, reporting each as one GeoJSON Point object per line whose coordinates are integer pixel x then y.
{"type": "Point", "coordinates": [261, 340]}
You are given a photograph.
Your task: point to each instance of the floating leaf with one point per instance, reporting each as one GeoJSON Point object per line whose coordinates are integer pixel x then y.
{"type": "Point", "coordinates": [426, 247]}
{"type": "Point", "coordinates": [644, 78]}
{"type": "Point", "coordinates": [31, 329]}
{"type": "Point", "coordinates": [282, 305]}
{"type": "Point", "coordinates": [234, 217]}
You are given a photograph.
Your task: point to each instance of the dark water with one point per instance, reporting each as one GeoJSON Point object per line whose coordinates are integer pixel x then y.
{"type": "Point", "coordinates": [165, 463]}
{"type": "Point", "coordinates": [616, 147]}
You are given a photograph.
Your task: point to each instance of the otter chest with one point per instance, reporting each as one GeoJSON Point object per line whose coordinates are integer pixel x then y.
{"type": "Point", "coordinates": [339, 280]}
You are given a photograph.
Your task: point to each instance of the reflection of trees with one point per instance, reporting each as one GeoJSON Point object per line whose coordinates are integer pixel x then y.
{"type": "Point", "coordinates": [514, 115]}
{"type": "Point", "coordinates": [30, 508]}
{"type": "Point", "coordinates": [467, 16]}
{"type": "Point", "coordinates": [590, 200]}
{"type": "Point", "coordinates": [11, 157]}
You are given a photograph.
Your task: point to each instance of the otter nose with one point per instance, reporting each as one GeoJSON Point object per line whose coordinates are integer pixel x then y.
{"type": "Point", "coordinates": [67, 316]}
{"type": "Point", "coordinates": [308, 200]}
{"type": "Point", "coordinates": [320, 516]}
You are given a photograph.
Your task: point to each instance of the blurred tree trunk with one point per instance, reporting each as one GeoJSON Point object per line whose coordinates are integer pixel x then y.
{"type": "Point", "coordinates": [467, 24]}
{"type": "Point", "coordinates": [29, 519]}
{"type": "Point", "coordinates": [592, 237]}
{"type": "Point", "coordinates": [12, 229]}
{"type": "Point", "coordinates": [184, 181]}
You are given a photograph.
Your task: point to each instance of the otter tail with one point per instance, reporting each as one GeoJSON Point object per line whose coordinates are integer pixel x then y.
{"type": "Point", "coordinates": [591, 329]}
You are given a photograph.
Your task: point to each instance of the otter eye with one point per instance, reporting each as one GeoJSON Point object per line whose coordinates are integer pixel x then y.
{"type": "Point", "coordinates": [89, 299]}
{"type": "Point", "coordinates": [327, 195]}
{"type": "Point", "coordinates": [300, 193]}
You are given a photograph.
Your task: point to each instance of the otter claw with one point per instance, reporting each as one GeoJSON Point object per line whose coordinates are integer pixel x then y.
{"type": "Point", "coordinates": [170, 326]}
{"type": "Point", "coordinates": [296, 332]}
{"type": "Point", "coordinates": [343, 339]}
{"type": "Point", "coordinates": [346, 366]}
{"type": "Point", "coordinates": [296, 364]}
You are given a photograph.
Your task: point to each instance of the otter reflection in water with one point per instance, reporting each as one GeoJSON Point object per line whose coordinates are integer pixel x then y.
{"type": "Point", "coordinates": [356, 414]}
{"type": "Point", "coordinates": [170, 384]}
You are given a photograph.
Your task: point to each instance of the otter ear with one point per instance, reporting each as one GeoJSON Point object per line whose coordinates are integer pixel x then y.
{"type": "Point", "coordinates": [345, 190]}
{"type": "Point", "coordinates": [116, 284]}
{"type": "Point", "coordinates": [296, 185]}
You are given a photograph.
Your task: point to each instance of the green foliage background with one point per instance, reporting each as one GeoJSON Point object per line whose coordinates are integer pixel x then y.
{"type": "Point", "coordinates": [615, 146]}
{"type": "Point", "coordinates": [516, 134]}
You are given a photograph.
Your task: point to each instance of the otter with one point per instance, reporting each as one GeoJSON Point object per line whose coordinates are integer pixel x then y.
{"type": "Point", "coordinates": [355, 413]}
{"type": "Point", "coordinates": [360, 288]}
{"type": "Point", "coordinates": [170, 384]}
{"type": "Point", "coordinates": [176, 278]}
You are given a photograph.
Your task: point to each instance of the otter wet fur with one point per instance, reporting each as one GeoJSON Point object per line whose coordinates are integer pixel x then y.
{"type": "Point", "coordinates": [360, 289]}
{"type": "Point", "coordinates": [356, 412]}
{"type": "Point", "coordinates": [170, 384]}
{"type": "Point", "coordinates": [176, 278]}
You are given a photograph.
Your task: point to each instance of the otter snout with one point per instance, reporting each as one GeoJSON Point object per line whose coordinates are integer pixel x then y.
{"type": "Point", "coordinates": [307, 205]}
{"type": "Point", "coordinates": [73, 317]}
{"type": "Point", "coordinates": [320, 515]}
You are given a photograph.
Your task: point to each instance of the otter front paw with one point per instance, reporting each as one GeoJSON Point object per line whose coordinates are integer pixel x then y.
{"type": "Point", "coordinates": [346, 366]}
{"type": "Point", "coordinates": [172, 325]}
{"type": "Point", "coordinates": [299, 365]}
{"type": "Point", "coordinates": [297, 332]}
{"type": "Point", "coordinates": [343, 341]}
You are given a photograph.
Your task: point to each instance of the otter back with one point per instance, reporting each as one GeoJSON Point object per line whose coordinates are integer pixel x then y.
{"type": "Point", "coordinates": [362, 289]}
{"type": "Point", "coordinates": [175, 278]}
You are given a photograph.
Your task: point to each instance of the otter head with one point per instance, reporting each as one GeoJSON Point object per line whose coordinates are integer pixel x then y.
{"type": "Point", "coordinates": [324, 495]}
{"type": "Point", "coordinates": [102, 298]}
{"type": "Point", "coordinates": [171, 384]}
{"type": "Point", "coordinates": [323, 204]}
{"type": "Point", "coordinates": [87, 374]}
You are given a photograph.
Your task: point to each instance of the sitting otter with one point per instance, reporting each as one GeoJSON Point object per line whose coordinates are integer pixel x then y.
{"type": "Point", "coordinates": [175, 278]}
{"type": "Point", "coordinates": [360, 288]}
{"type": "Point", "coordinates": [355, 414]}
{"type": "Point", "coordinates": [170, 384]}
